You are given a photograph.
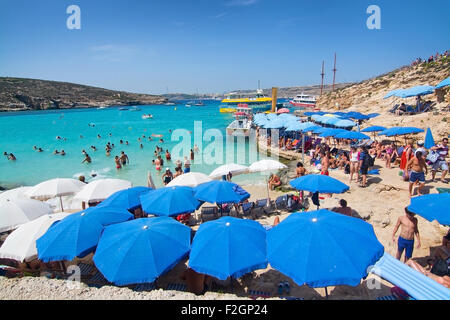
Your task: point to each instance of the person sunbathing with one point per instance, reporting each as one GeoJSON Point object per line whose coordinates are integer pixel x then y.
{"type": "Point", "coordinates": [343, 209]}
{"type": "Point", "coordinates": [443, 280]}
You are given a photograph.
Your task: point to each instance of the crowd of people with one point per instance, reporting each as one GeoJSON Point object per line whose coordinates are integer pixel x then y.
{"type": "Point", "coordinates": [438, 56]}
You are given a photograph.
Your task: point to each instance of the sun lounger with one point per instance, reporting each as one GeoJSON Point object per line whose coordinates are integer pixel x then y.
{"type": "Point", "coordinates": [394, 108]}
{"type": "Point", "coordinates": [291, 298]}
{"type": "Point", "coordinates": [254, 294]}
{"type": "Point", "coordinates": [86, 269]}
{"type": "Point", "coordinates": [418, 286]}
{"type": "Point", "coordinates": [176, 287]}
{"type": "Point", "coordinates": [209, 214]}
{"type": "Point", "coordinates": [145, 287]}
{"type": "Point", "coordinates": [387, 298]}
{"type": "Point", "coordinates": [247, 208]}
{"type": "Point", "coordinates": [261, 207]}
{"type": "Point", "coordinates": [98, 280]}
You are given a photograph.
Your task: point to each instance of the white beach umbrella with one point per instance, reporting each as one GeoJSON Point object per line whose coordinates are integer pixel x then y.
{"type": "Point", "coordinates": [20, 245]}
{"type": "Point", "coordinates": [55, 188]}
{"type": "Point", "coordinates": [19, 211]}
{"type": "Point", "coordinates": [99, 190]}
{"type": "Point", "coordinates": [266, 165]}
{"type": "Point", "coordinates": [191, 179]}
{"type": "Point", "coordinates": [14, 193]}
{"type": "Point", "coordinates": [234, 168]}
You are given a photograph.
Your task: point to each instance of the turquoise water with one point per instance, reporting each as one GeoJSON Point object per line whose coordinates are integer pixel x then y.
{"type": "Point", "coordinates": [19, 132]}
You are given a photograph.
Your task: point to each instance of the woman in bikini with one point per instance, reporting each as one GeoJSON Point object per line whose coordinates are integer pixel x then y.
{"type": "Point", "coordinates": [117, 161]}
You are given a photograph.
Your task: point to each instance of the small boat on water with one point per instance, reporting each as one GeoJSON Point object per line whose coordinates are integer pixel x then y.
{"type": "Point", "coordinates": [135, 109]}
{"type": "Point", "coordinates": [241, 127]}
{"type": "Point", "coordinates": [147, 116]}
{"type": "Point", "coordinates": [199, 104]}
{"type": "Point", "coordinates": [101, 108]}
{"type": "Point", "coordinates": [123, 109]}
{"type": "Point", "coordinates": [257, 101]}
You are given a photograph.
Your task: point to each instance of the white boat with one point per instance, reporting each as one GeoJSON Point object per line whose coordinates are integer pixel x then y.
{"type": "Point", "coordinates": [135, 109]}
{"type": "Point", "coordinates": [242, 125]}
{"type": "Point", "coordinates": [304, 101]}
{"type": "Point", "coordinates": [101, 108]}
{"type": "Point", "coordinates": [147, 116]}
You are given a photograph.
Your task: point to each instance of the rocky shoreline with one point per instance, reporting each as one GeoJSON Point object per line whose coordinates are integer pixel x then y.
{"type": "Point", "coordinates": [17, 94]}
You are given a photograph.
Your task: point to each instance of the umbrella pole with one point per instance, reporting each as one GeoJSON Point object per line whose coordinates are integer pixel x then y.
{"type": "Point", "coordinates": [303, 148]}
{"type": "Point", "coordinates": [60, 200]}
{"type": "Point", "coordinates": [326, 292]}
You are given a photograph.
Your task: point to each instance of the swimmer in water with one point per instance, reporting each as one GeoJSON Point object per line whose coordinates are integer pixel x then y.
{"type": "Point", "coordinates": [12, 157]}
{"type": "Point", "coordinates": [117, 161]}
{"type": "Point", "coordinates": [98, 136]}
{"type": "Point", "coordinates": [168, 156]}
{"type": "Point", "coordinates": [6, 155]}
{"type": "Point", "coordinates": [142, 147]}
{"type": "Point", "coordinates": [87, 159]}
{"type": "Point", "coordinates": [56, 152]}
{"type": "Point", "coordinates": [124, 158]}
{"type": "Point", "coordinates": [126, 142]}
{"type": "Point", "coordinates": [40, 150]}
{"type": "Point", "coordinates": [63, 153]}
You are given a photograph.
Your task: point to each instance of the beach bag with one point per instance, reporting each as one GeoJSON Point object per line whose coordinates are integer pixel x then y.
{"type": "Point", "coordinates": [433, 157]}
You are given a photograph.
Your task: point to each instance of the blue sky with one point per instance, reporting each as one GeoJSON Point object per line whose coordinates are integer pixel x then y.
{"type": "Point", "coordinates": [215, 45]}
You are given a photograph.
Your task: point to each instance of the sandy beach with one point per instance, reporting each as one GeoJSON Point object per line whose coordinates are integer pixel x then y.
{"type": "Point", "coordinates": [380, 204]}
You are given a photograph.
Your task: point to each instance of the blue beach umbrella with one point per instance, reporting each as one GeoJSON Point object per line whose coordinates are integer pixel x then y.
{"type": "Point", "coordinates": [374, 129]}
{"type": "Point", "coordinates": [294, 127]}
{"type": "Point", "coordinates": [429, 140]}
{"type": "Point", "coordinates": [169, 201]}
{"type": "Point", "coordinates": [331, 120]}
{"type": "Point", "coordinates": [220, 192]}
{"type": "Point", "coordinates": [319, 183]}
{"type": "Point", "coordinates": [373, 115]}
{"type": "Point", "coordinates": [78, 234]}
{"type": "Point", "coordinates": [415, 91]}
{"type": "Point", "coordinates": [141, 250]}
{"type": "Point", "coordinates": [392, 93]}
{"type": "Point", "coordinates": [323, 248]}
{"type": "Point", "coordinates": [345, 124]}
{"type": "Point", "coordinates": [311, 128]}
{"type": "Point", "coordinates": [400, 131]}
{"type": "Point", "coordinates": [331, 133]}
{"type": "Point", "coordinates": [127, 199]}
{"type": "Point", "coordinates": [320, 130]}
{"type": "Point", "coordinates": [432, 207]}
{"type": "Point", "coordinates": [443, 84]}
{"type": "Point", "coordinates": [305, 125]}
{"type": "Point", "coordinates": [357, 116]}
{"type": "Point", "coordinates": [352, 135]}
{"type": "Point", "coordinates": [229, 247]}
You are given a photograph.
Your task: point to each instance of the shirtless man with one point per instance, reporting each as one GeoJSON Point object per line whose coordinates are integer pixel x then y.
{"type": "Point", "coordinates": [325, 162]}
{"type": "Point", "coordinates": [124, 158]}
{"type": "Point", "coordinates": [406, 239]}
{"type": "Point", "coordinates": [417, 165]}
{"type": "Point", "coordinates": [300, 171]}
{"type": "Point", "coordinates": [86, 159]}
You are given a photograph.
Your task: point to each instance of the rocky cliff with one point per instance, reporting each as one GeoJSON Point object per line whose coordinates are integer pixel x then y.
{"type": "Point", "coordinates": [17, 94]}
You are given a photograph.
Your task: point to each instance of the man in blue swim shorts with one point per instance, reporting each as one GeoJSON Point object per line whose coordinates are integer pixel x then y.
{"type": "Point", "coordinates": [409, 229]}
{"type": "Point", "coordinates": [417, 166]}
